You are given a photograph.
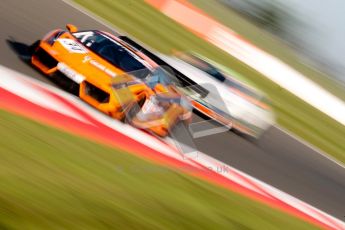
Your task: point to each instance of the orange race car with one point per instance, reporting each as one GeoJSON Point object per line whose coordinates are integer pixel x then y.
{"type": "Point", "coordinates": [113, 77]}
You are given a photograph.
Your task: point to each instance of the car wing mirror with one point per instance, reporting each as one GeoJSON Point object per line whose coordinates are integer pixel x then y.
{"type": "Point", "coordinates": [71, 28]}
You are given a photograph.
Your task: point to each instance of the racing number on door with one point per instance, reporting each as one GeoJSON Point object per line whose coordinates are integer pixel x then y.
{"type": "Point", "coordinates": [72, 46]}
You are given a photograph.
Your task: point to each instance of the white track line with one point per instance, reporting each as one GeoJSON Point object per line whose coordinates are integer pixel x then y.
{"type": "Point", "coordinates": [312, 147]}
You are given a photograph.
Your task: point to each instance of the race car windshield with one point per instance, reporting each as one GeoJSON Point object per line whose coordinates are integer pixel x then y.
{"type": "Point", "coordinates": [111, 50]}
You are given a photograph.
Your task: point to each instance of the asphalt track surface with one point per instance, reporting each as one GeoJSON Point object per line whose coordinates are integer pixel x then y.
{"type": "Point", "coordinates": [277, 159]}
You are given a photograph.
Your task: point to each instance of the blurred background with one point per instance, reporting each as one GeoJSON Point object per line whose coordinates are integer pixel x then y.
{"type": "Point", "coordinates": [50, 179]}
{"type": "Point", "coordinates": [313, 28]}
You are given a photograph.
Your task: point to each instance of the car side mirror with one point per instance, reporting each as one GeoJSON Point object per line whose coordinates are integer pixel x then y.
{"type": "Point", "coordinates": [71, 28]}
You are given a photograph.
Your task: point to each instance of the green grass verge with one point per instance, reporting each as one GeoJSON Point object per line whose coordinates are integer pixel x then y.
{"type": "Point", "coordinates": [158, 31]}
{"type": "Point", "coordinates": [53, 180]}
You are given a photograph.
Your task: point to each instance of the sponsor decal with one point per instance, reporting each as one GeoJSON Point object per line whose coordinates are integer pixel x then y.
{"type": "Point", "coordinates": [72, 46]}
{"type": "Point", "coordinates": [86, 59]}
{"type": "Point", "coordinates": [99, 66]}
{"type": "Point", "coordinates": [70, 73]}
